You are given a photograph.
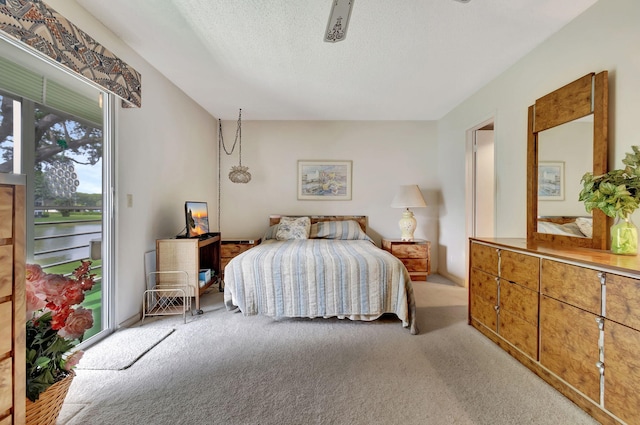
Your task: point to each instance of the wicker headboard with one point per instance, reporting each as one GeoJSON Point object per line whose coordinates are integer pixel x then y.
{"type": "Point", "coordinates": [361, 219]}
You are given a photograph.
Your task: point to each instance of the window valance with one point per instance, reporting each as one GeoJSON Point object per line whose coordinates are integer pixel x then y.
{"type": "Point", "coordinates": [37, 25]}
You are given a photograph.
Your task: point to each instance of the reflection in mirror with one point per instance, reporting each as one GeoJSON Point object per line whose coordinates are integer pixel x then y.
{"type": "Point", "coordinates": [565, 153]}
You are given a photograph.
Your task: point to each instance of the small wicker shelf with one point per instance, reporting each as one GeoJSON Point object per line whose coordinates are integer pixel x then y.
{"type": "Point", "coordinates": [191, 255]}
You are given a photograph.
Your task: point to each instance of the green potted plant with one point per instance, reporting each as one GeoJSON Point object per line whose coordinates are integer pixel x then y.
{"type": "Point", "coordinates": [617, 194]}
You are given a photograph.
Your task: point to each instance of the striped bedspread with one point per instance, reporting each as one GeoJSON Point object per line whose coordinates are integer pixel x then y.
{"type": "Point", "coordinates": [319, 278]}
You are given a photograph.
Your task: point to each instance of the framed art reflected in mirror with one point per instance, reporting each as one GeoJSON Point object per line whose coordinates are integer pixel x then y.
{"type": "Point", "coordinates": [551, 181]}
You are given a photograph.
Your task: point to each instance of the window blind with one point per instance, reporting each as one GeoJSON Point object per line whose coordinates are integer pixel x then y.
{"type": "Point", "coordinates": [23, 82]}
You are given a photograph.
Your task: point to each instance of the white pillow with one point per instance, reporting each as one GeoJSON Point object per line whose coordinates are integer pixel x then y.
{"type": "Point", "coordinates": [347, 230]}
{"type": "Point", "coordinates": [293, 228]}
{"type": "Point", "coordinates": [585, 224]}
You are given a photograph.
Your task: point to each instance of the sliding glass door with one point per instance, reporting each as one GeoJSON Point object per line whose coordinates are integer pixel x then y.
{"type": "Point", "coordinates": [58, 141]}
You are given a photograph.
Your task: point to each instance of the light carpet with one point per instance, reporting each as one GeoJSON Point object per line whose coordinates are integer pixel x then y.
{"type": "Point", "coordinates": [224, 368]}
{"type": "Point", "coordinates": [123, 348]}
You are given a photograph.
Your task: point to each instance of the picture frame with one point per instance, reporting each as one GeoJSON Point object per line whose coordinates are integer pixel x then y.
{"type": "Point", "coordinates": [324, 180]}
{"type": "Point", "coordinates": [551, 181]}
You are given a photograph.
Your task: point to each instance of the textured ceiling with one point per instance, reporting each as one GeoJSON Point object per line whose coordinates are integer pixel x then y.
{"type": "Point", "coordinates": [401, 60]}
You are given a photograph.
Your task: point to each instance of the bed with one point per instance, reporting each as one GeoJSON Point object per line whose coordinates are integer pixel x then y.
{"type": "Point", "coordinates": [580, 227]}
{"type": "Point", "coordinates": [319, 267]}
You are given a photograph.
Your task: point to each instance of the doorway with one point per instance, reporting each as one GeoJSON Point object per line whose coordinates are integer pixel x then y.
{"type": "Point", "coordinates": [481, 181]}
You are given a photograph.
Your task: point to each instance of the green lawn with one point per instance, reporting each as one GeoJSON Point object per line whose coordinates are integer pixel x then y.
{"type": "Point", "coordinates": [93, 301]}
{"type": "Point", "coordinates": [57, 217]}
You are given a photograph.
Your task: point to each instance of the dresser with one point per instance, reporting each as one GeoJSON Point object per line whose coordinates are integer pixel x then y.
{"type": "Point", "coordinates": [12, 299]}
{"type": "Point", "coordinates": [415, 255]}
{"type": "Point", "coordinates": [572, 316]}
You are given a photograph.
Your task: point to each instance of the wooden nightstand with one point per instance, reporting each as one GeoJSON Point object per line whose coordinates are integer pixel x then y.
{"type": "Point", "coordinates": [415, 255]}
{"type": "Point", "coordinates": [230, 248]}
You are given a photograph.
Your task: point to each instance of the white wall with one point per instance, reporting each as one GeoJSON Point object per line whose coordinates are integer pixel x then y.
{"type": "Point", "coordinates": [605, 37]}
{"type": "Point", "coordinates": [166, 152]}
{"type": "Point", "coordinates": [385, 154]}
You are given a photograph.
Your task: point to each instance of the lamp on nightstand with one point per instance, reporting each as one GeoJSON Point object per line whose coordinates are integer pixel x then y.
{"type": "Point", "coordinates": [408, 196]}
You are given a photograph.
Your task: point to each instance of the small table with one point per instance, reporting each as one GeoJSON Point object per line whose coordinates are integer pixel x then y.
{"type": "Point", "coordinates": [232, 247]}
{"type": "Point", "coordinates": [415, 255]}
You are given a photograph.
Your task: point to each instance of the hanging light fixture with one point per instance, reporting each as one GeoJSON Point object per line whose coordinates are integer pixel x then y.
{"type": "Point", "coordinates": [338, 21]}
{"type": "Point", "coordinates": [238, 173]}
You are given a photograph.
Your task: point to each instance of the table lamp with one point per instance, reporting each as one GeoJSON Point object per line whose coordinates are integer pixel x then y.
{"type": "Point", "coordinates": [408, 196]}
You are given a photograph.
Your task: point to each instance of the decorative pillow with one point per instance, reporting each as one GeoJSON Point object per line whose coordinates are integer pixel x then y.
{"type": "Point", "coordinates": [347, 230]}
{"type": "Point", "coordinates": [293, 228]}
{"type": "Point", "coordinates": [271, 232]}
{"type": "Point", "coordinates": [585, 224]}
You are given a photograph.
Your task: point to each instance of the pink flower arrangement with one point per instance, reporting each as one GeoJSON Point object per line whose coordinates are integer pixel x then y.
{"type": "Point", "coordinates": [55, 324]}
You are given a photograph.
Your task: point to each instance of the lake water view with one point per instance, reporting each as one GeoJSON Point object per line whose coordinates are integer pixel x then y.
{"type": "Point", "coordinates": [64, 241]}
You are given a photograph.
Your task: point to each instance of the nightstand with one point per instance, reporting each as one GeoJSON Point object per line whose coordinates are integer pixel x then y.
{"type": "Point", "coordinates": [229, 248]}
{"type": "Point", "coordinates": [415, 255]}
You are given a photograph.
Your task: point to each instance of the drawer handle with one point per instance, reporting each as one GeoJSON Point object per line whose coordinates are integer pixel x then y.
{"type": "Point", "coordinates": [600, 322]}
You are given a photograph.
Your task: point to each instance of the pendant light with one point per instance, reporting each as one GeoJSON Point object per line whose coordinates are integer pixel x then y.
{"type": "Point", "coordinates": [238, 173]}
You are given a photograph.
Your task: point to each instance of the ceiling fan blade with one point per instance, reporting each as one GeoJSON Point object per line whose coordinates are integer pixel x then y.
{"type": "Point", "coordinates": [338, 21]}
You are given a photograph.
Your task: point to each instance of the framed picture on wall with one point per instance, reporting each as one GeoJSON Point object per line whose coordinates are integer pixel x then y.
{"type": "Point", "coordinates": [324, 180]}
{"type": "Point", "coordinates": [551, 181]}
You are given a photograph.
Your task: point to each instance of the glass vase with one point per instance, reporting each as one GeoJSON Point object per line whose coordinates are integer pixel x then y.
{"type": "Point", "coordinates": [624, 236]}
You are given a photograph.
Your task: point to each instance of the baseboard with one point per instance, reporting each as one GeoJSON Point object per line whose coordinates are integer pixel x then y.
{"type": "Point", "coordinates": [130, 321]}
{"type": "Point", "coordinates": [458, 281]}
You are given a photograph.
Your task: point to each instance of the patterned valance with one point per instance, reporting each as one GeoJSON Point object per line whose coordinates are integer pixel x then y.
{"type": "Point", "coordinates": [45, 30]}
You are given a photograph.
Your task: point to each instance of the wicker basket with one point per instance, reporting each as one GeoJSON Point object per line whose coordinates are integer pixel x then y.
{"type": "Point", "coordinates": [46, 409]}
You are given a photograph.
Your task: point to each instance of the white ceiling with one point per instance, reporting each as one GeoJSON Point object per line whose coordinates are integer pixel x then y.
{"type": "Point", "coordinates": [401, 60]}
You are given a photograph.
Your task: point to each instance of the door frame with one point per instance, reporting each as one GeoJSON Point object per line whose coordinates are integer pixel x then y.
{"type": "Point", "coordinates": [470, 174]}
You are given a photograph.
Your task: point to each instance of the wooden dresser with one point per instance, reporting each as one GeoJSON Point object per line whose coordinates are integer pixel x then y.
{"type": "Point", "coordinates": [570, 315]}
{"type": "Point", "coordinates": [12, 299]}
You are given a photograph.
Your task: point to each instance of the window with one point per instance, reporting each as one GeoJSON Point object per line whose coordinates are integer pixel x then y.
{"type": "Point", "coordinates": [9, 134]}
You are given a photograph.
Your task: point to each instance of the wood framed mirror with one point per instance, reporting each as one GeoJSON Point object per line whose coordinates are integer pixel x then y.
{"type": "Point", "coordinates": [552, 181]}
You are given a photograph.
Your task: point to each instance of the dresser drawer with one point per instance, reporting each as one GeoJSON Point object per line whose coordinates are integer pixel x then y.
{"type": "Point", "coordinates": [415, 265]}
{"type": "Point", "coordinates": [6, 382]}
{"type": "Point", "coordinates": [233, 249]}
{"type": "Point", "coordinates": [6, 327]}
{"type": "Point", "coordinates": [484, 258]}
{"type": "Point", "coordinates": [519, 301]}
{"type": "Point", "coordinates": [6, 273]}
{"type": "Point", "coordinates": [409, 250]}
{"type": "Point", "coordinates": [578, 286]}
{"type": "Point", "coordinates": [520, 268]}
{"type": "Point", "coordinates": [485, 286]}
{"type": "Point", "coordinates": [223, 262]}
{"type": "Point", "coordinates": [623, 300]}
{"type": "Point", "coordinates": [569, 345]}
{"type": "Point", "coordinates": [520, 333]}
{"type": "Point", "coordinates": [621, 346]}
{"type": "Point", "coordinates": [484, 312]}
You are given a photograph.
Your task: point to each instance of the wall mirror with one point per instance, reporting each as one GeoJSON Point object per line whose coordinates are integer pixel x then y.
{"type": "Point", "coordinates": [567, 137]}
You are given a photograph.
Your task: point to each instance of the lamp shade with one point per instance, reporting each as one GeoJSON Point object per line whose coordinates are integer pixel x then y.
{"type": "Point", "coordinates": [408, 196]}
